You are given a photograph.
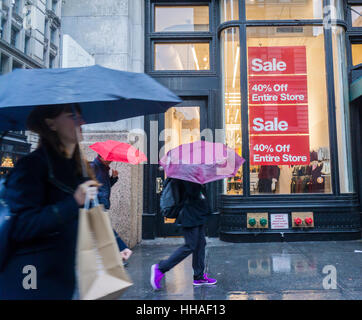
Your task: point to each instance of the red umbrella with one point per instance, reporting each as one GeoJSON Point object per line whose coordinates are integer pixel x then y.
{"type": "Point", "coordinates": [111, 150]}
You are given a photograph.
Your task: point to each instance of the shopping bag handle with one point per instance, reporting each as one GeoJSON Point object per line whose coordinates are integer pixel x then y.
{"type": "Point", "coordinates": [88, 200]}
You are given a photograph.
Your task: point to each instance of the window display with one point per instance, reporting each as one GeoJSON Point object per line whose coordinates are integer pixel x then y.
{"type": "Point", "coordinates": [288, 115]}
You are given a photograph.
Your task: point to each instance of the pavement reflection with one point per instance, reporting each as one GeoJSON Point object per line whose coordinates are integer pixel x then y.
{"type": "Point", "coordinates": [252, 271]}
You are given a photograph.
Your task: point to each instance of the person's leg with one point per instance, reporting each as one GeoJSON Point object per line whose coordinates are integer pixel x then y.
{"type": "Point", "coordinates": [198, 262]}
{"type": "Point", "coordinates": [190, 236]}
{"type": "Point", "coordinates": [158, 270]}
{"type": "Point", "coordinates": [198, 256]}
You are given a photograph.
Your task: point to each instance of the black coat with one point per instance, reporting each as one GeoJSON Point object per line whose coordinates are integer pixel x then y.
{"type": "Point", "coordinates": [196, 209]}
{"type": "Point", "coordinates": [46, 227]}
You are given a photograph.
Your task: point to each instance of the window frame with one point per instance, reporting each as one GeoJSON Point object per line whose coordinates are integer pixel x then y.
{"type": "Point", "coordinates": [153, 38]}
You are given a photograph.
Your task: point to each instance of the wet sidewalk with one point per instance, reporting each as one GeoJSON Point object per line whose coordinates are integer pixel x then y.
{"type": "Point", "coordinates": [253, 271]}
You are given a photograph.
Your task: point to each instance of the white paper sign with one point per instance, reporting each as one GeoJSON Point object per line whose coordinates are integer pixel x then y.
{"type": "Point", "coordinates": [279, 221]}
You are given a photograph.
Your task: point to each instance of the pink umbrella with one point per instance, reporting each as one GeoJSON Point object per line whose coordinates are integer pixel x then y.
{"type": "Point", "coordinates": [111, 150]}
{"type": "Point", "coordinates": [201, 162]}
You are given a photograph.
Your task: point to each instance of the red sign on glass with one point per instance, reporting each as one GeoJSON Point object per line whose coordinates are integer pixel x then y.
{"type": "Point", "coordinates": [278, 119]}
{"type": "Point", "coordinates": [278, 90]}
{"type": "Point", "coordinates": [277, 60]}
{"type": "Point", "coordinates": [279, 150]}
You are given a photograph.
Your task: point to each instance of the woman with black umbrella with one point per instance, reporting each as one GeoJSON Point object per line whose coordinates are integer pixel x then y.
{"type": "Point", "coordinates": [45, 190]}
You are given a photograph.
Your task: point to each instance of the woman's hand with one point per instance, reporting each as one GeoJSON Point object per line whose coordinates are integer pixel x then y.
{"type": "Point", "coordinates": [126, 253]}
{"type": "Point", "coordinates": [81, 192]}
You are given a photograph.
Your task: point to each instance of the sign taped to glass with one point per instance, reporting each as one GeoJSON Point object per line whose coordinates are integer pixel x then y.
{"type": "Point", "coordinates": [278, 106]}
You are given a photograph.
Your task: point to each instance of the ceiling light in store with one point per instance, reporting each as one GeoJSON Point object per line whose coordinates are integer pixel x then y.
{"type": "Point", "coordinates": [195, 58]}
{"type": "Point", "coordinates": [236, 65]}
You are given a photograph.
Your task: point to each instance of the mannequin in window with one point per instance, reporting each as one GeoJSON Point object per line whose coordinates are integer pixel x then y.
{"type": "Point", "coordinates": [268, 176]}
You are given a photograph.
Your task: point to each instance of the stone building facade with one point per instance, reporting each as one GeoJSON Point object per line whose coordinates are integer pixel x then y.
{"type": "Point", "coordinates": [29, 38]}
{"type": "Point", "coordinates": [112, 33]}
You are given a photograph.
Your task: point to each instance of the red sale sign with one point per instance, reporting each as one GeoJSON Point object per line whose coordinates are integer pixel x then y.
{"type": "Point", "coordinates": [279, 150]}
{"type": "Point", "coordinates": [277, 60]}
{"type": "Point", "coordinates": [278, 119]}
{"type": "Point", "coordinates": [278, 106]}
{"type": "Point", "coordinates": [278, 90]}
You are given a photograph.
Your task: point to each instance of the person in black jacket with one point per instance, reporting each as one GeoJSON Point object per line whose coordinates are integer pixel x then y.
{"type": "Point", "coordinates": [43, 242]}
{"type": "Point", "coordinates": [192, 217]}
{"type": "Point", "coordinates": [101, 169]}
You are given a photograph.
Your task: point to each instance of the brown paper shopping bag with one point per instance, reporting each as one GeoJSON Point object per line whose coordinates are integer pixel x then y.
{"type": "Point", "coordinates": [99, 264]}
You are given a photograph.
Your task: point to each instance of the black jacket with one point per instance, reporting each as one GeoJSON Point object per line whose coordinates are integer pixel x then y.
{"type": "Point", "coordinates": [45, 231]}
{"type": "Point", "coordinates": [196, 209]}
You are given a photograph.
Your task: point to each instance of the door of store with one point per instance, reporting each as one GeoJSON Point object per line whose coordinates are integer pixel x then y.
{"type": "Point", "coordinates": [181, 124]}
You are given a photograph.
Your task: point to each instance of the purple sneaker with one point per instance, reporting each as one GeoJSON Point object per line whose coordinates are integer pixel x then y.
{"type": "Point", "coordinates": [156, 277]}
{"type": "Point", "coordinates": [205, 281]}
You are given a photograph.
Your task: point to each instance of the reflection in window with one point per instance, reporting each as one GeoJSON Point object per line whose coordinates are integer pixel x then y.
{"type": "Point", "coordinates": [182, 56]}
{"type": "Point", "coordinates": [288, 114]}
{"type": "Point", "coordinates": [181, 18]}
{"type": "Point", "coordinates": [356, 54]}
{"type": "Point", "coordinates": [229, 10]}
{"type": "Point", "coordinates": [342, 110]}
{"type": "Point", "coordinates": [232, 100]}
{"type": "Point", "coordinates": [281, 9]}
{"type": "Point", "coordinates": [356, 16]}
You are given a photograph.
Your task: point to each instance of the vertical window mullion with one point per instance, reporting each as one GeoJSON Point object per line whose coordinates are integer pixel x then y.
{"type": "Point", "coordinates": [244, 108]}
{"type": "Point", "coordinates": [331, 102]}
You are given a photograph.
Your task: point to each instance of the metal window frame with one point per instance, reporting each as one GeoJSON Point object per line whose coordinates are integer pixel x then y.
{"type": "Point", "coordinates": [153, 38]}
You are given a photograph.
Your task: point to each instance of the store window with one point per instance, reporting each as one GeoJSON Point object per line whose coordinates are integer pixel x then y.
{"type": "Point", "coordinates": [342, 110]}
{"type": "Point", "coordinates": [356, 53]}
{"type": "Point", "coordinates": [288, 113]}
{"type": "Point", "coordinates": [232, 100]}
{"type": "Point", "coordinates": [283, 10]}
{"type": "Point", "coordinates": [356, 13]}
{"type": "Point", "coordinates": [182, 56]}
{"type": "Point", "coordinates": [181, 18]}
{"type": "Point", "coordinates": [229, 10]}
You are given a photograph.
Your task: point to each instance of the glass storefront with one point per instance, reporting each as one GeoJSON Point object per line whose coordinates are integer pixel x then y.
{"type": "Point", "coordinates": [276, 82]}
